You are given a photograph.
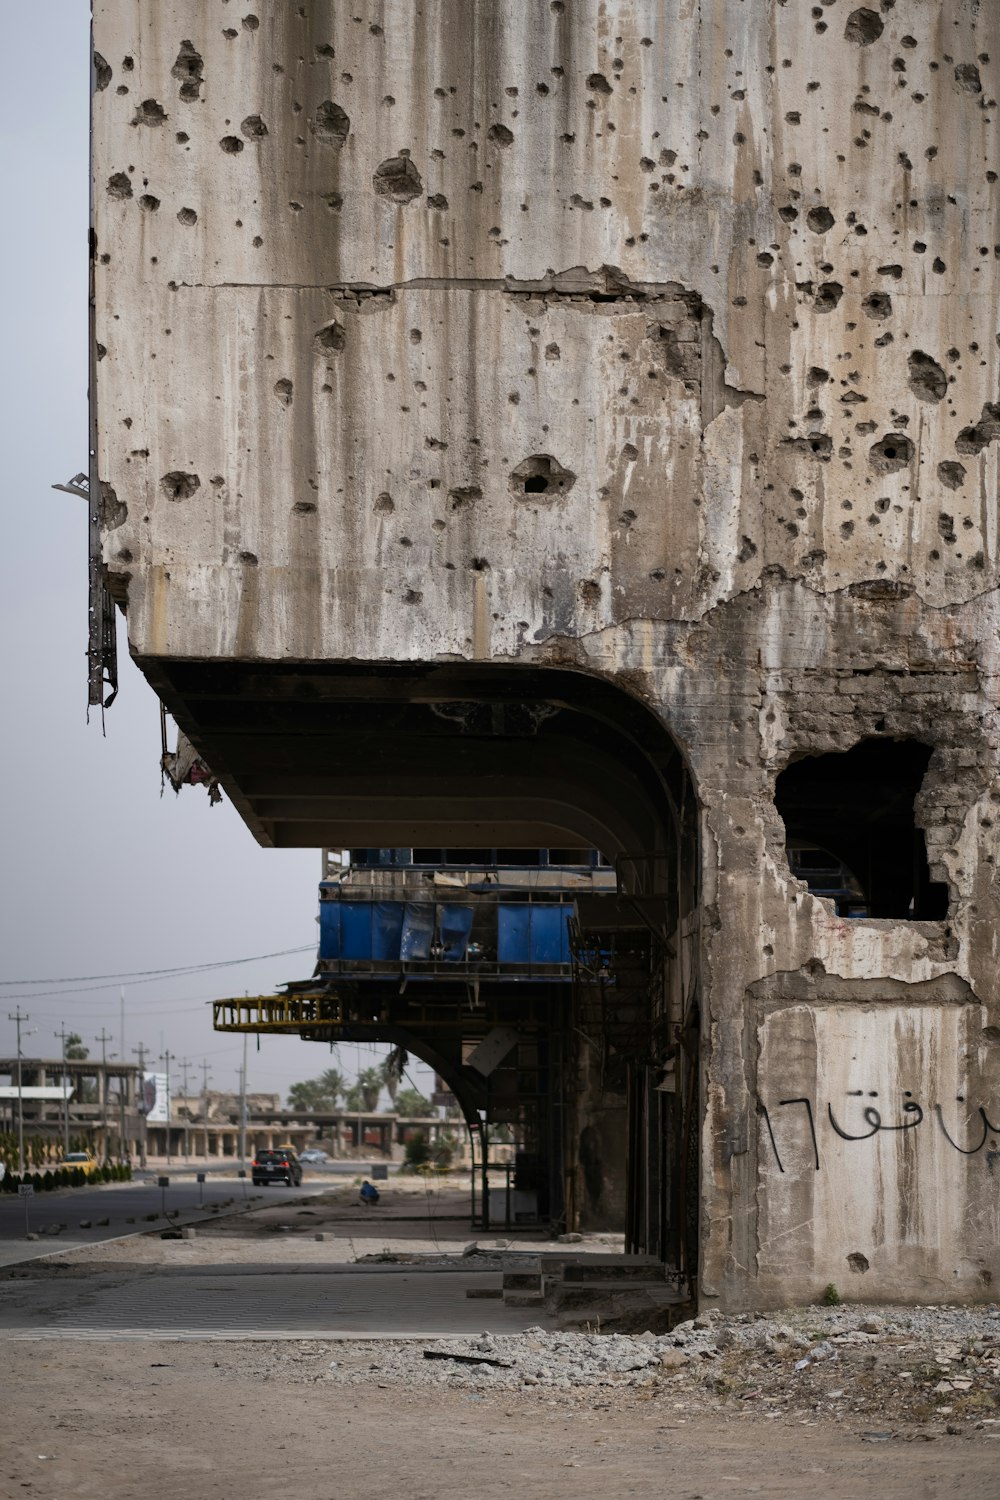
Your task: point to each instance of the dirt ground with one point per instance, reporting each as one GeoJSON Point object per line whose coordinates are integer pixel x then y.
{"type": "Point", "coordinates": [258, 1419]}
{"type": "Point", "coordinates": [191, 1422]}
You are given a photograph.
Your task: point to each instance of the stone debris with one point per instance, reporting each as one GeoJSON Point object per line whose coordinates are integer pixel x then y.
{"type": "Point", "coordinates": [909, 1368]}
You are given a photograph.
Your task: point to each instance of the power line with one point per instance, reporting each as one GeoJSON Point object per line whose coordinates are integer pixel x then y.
{"type": "Point", "coordinates": [227, 963]}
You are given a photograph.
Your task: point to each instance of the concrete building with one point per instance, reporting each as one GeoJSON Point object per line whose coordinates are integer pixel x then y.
{"type": "Point", "coordinates": [97, 1102]}
{"type": "Point", "coordinates": [576, 424]}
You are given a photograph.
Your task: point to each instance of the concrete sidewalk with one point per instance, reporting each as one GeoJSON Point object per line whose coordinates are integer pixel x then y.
{"type": "Point", "coordinates": [364, 1303]}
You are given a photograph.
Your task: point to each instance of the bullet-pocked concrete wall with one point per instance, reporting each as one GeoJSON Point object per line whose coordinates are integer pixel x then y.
{"type": "Point", "coordinates": [725, 275]}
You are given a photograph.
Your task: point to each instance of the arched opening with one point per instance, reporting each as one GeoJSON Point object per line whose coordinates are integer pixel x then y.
{"type": "Point", "coordinates": [477, 758]}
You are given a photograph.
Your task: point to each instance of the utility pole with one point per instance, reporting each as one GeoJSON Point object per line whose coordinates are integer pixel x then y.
{"type": "Point", "coordinates": [18, 1017]}
{"type": "Point", "coordinates": [140, 1053]}
{"type": "Point", "coordinates": [205, 1076]}
{"type": "Point", "coordinates": [104, 1039]}
{"type": "Point", "coordinates": [61, 1034]}
{"type": "Point", "coordinates": [185, 1064]}
{"type": "Point", "coordinates": [168, 1057]}
{"type": "Point", "coordinates": [243, 1108]}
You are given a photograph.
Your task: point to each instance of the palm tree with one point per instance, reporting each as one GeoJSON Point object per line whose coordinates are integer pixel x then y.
{"type": "Point", "coordinates": [392, 1071]}
{"type": "Point", "coordinates": [370, 1084]}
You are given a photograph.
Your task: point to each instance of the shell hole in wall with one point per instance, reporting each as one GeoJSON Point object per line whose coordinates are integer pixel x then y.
{"type": "Point", "coordinates": [857, 808]}
{"type": "Point", "coordinates": [541, 474]}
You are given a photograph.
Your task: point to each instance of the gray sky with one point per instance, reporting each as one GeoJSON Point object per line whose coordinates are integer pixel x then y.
{"type": "Point", "coordinates": [101, 874]}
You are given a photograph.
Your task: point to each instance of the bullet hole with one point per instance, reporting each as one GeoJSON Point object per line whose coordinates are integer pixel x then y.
{"type": "Point", "coordinates": [895, 271]}
{"type": "Point", "coordinates": [149, 112]}
{"type": "Point", "coordinates": [324, 49]}
{"type": "Point", "coordinates": [284, 391]}
{"type": "Point", "coordinates": [630, 453]}
{"type": "Point", "coordinates": [827, 297]}
{"type": "Point", "coordinates": [590, 591]}
{"type": "Point", "coordinates": [747, 550]}
{"type": "Point", "coordinates": [946, 526]}
{"type": "Point", "coordinates": [987, 430]}
{"type": "Point", "coordinates": [552, 351]}
{"type": "Point", "coordinates": [189, 68]}
{"type": "Point", "coordinates": [599, 84]}
{"type": "Point", "coordinates": [884, 341]}
{"type": "Point", "coordinates": [332, 124]}
{"type": "Point", "coordinates": [253, 128]}
{"type": "Point", "coordinates": [188, 216]}
{"type": "Point", "coordinates": [877, 305]}
{"type": "Point", "coordinates": [384, 505]}
{"type": "Point", "coordinates": [397, 178]}
{"type": "Point", "coordinates": [793, 117]}
{"type": "Point", "coordinates": [816, 445]}
{"type": "Point", "coordinates": [334, 201]}
{"type": "Point", "coordinates": [820, 219]}
{"type": "Point", "coordinates": [541, 474]}
{"type": "Point", "coordinates": [256, 241]}
{"type": "Point", "coordinates": [148, 203]}
{"type": "Point", "coordinates": [858, 1262]}
{"type": "Point", "coordinates": [182, 137]}
{"type": "Point", "coordinates": [817, 376]}
{"type": "Point", "coordinates": [230, 32]}
{"type": "Point", "coordinates": [967, 78]}
{"type": "Point", "coordinates": [101, 352]}
{"type": "Point", "coordinates": [435, 445]}
{"type": "Point", "coordinates": [863, 27]}
{"type": "Point", "coordinates": [951, 474]}
{"type": "Point", "coordinates": [249, 558]}
{"type": "Point", "coordinates": [928, 381]}
{"type": "Point", "coordinates": [231, 145]}
{"type": "Point", "coordinates": [102, 72]}
{"type": "Point", "coordinates": [179, 486]}
{"type": "Point", "coordinates": [437, 200]}
{"type": "Point", "coordinates": [765, 259]}
{"type": "Point", "coordinates": [119, 186]}
{"type": "Point", "coordinates": [330, 339]}
{"type": "Point", "coordinates": [788, 214]}
{"type": "Point", "coordinates": [891, 453]}
{"type": "Point", "coordinates": [464, 497]}
{"type": "Point", "coordinates": [500, 135]}
{"type": "Point", "coordinates": [303, 508]}
{"type": "Point", "coordinates": [847, 530]}
{"type": "Point", "coordinates": [412, 596]}
{"type": "Point", "coordinates": [250, 23]}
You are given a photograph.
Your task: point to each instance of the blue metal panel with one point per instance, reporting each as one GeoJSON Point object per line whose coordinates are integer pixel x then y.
{"type": "Point", "coordinates": [549, 934]}
{"type": "Point", "coordinates": [329, 929]}
{"type": "Point", "coordinates": [387, 929]}
{"type": "Point", "coordinates": [356, 929]}
{"type": "Point", "coordinates": [454, 926]}
{"type": "Point", "coordinates": [514, 935]}
{"type": "Point", "coordinates": [418, 930]}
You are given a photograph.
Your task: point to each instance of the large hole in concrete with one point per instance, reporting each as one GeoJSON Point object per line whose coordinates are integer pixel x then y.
{"type": "Point", "coordinates": [856, 808]}
{"type": "Point", "coordinates": [541, 474]}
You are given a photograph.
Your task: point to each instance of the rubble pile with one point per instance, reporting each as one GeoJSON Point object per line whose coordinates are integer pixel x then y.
{"type": "Point", "coordinates": [900, 1366]}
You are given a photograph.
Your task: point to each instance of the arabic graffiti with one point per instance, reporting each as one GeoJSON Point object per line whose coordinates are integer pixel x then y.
{"type": "Point", "coordinates": [912, 1114]}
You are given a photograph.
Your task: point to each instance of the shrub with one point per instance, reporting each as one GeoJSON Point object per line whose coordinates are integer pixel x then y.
{"type": "Point", "coordinates": [417, 1154]}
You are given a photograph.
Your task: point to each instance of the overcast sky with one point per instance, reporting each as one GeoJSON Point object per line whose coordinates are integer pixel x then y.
{"type": "Point", "coordinates": [102, 874]}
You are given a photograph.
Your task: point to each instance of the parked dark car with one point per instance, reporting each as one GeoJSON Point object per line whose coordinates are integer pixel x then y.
{"type": "Point", "coordinates": [279, 1165]}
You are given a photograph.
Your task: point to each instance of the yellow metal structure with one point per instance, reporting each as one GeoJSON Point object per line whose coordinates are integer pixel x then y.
{"type": "Point", "coordinates": [277, 1012]}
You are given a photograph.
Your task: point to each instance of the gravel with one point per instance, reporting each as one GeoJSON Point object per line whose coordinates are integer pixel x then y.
{"type": "Point", "coordinates": [896, 1366]}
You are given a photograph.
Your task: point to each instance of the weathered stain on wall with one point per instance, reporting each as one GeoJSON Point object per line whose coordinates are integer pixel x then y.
{"type": "Point", "coordinates": [658, 341]}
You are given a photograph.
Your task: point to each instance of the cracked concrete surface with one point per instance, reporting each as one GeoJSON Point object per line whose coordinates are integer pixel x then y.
{"type": "Point", "coordinates": [735, 269]}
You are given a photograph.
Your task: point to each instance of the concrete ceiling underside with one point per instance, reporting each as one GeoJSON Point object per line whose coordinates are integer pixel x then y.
{"type": "Point", "coordinates": [341, 756]}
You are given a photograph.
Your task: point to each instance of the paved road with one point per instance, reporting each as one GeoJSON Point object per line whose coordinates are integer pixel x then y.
{"type": "Point", "coordinates": [126, 1206]}
{"type": "Point", "coordinates": [238, 1303]}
